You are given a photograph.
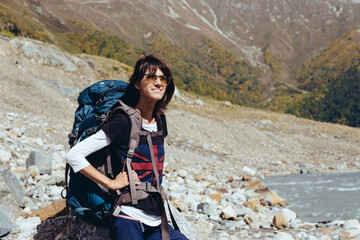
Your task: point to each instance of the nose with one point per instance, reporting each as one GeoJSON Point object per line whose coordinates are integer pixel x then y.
{"type": "Point", "coordinates": [157, 81]}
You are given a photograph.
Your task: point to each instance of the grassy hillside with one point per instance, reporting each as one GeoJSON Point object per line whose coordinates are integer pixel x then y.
{"type": "Point", "coordinates": [12, 25]}
{"type": "Point", "coordinates": [331, 62]}
{"type": "Point", "coordinates": [209, 70]}
{"type": "Point", "coordinates": [333, 81]}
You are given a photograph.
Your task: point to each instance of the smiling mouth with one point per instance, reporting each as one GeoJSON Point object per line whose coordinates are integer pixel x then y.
{"type": "Point", "coordinates": [157, 90]}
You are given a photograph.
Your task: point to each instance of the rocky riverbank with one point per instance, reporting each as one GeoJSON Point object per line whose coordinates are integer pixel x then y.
{"type": "Point", "coordinates": [217, 153]}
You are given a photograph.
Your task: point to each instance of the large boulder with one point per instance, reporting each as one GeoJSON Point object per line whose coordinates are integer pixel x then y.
{"type": "Point", "coordinates": [11, 194]}
{"type": "Point", "coordinates": [67, 227]}
{"type": "Point", "coordinates": [13, 184]}
{"type": "Point", "coordinates": [6, 225]}
{"type": "Point", "coordinates": [42, 160]}
{"type": "Point", "coordinates": [45, 54]}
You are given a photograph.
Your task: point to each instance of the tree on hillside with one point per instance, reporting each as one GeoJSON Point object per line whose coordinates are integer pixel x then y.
{"type": "Point", "coordinates": [342, 99]}
{"type": "Point", "coordinates": [338, 102]}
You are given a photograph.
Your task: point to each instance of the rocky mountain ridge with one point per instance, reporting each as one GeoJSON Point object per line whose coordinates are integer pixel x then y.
{"type": "Point", "coordinates": [38, 93]}
{"type": "Point", "coordinates": [293, 30]}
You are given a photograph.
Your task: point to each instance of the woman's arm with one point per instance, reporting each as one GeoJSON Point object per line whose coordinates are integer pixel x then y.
{"type": "Point", "coordinates": [119, 182]}
{"type": "Point", "coordinates": [76, 158]}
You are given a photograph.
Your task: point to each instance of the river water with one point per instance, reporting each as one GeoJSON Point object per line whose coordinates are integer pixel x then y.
{"type": "Point", "coordinates": [320, 197]}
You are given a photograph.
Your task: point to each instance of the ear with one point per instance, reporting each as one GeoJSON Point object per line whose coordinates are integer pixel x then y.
{"type": "Point", "coordinates": [137, 85]}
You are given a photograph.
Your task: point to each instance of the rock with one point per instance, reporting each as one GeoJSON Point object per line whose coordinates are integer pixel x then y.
{"type": "Point", "coordinates": [179, 180]}
{"type": "Point", "coordinates": [8, 204]}
{"type": "Point", "coordinates": [350, 223]}
{"type": "Point", "coordinates": [55, 192]}
{"type": "Point", "coordinates": [242, 210]}
{"type": "Point", "coordinates": [238, 196]}
{"type": "Point", "coordinates": [180, 205]}
{"type": "Point", "coordinates": [256, 185]}
{"type": "Point", "coordinates": [307, 227]}
{"type": "Point", "coordinates": [6, 224]}
{"type": "Point", "coordinates": [5, 156]}
{"type": "Point", "coordinates": [66, 227]}
{"type": "Point", "coordinates": [216, 196]}
{"type": "Point", "coordinates": [325, 237]}
{"type": "Point", "coordinates": [210, 208]}
{"type": "Point", "coordinates": [177, 95]}
{"type": "Point", "coordinates": [205, 229]}
{"type": "Point", "coordinates": [56, 208]}
{"type": "Point", "coordinates": [280, 221]}
{"type": "Point", "coordinates": [253, 204]}
{"type": "Point", "coordinates": [227, 104]}
{"type": "Point", "coordinates": [287, 213]}
{"type": "Point", "coordinates": [40, 159]}
{"type": "Point", "coordinates": [305, 236]}
{"type": "Point", "coordinates": [45, 54]}
{"type": "Point", "coordinates": [228, 213]}
{"type": "Point", "coordinates": [326, 231]}
{"type": "Point", "coordinates": [13, 184]}
{"type": "Point", "coordinates": [25, 228]}
{"type": "Point", "coordinates": [252, 219]}
{"type": "Point", "coordinates": [28, 202]}
{"type": "Point", "coordinates": [283, 236]}
{"type": "Point", "coordinates": [39, 141]}
{"type": "Point", "coordinates": [248, 171]}
{"type": "Point", "coordinates": [32, 171]}
{"type": "Point", "coordinates": [17, 131]}
{"type": "Point", "coordinates": [303, 169]}
{"type": "Point", "coordinates": [233, 225]}
{"type": "Point", "coordinates": [267, 223]}
{"type": "Point", "coordinates": [173, 187]}
{"type": "Point", "coordinates": [19, 171]}
{"type": "Point", "coordinates": [182, 173]}
{"type": "Point", "coordinates": [275, 200]}
{"type": "Point", "coordinates": [199, 102]}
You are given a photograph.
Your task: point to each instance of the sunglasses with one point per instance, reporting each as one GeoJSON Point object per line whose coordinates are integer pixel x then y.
{"type": "Point", "coordinates": [151, 78]}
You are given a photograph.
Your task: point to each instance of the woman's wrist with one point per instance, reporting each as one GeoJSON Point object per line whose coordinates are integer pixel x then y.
{"type": "Point", "coordinates": [111, 184]}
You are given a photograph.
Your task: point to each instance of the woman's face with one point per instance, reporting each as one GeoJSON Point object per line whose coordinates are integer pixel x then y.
{"type": "Point", "coordinates": [152, 87]}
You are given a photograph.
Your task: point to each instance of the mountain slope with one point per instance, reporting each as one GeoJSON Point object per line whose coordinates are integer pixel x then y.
{"type": "Point", "coordinates": [248, 52]}
{"type": "Point", "coordinates": [333, 79]}
{"type": "Point", "coordinates": [332, 62]}
{"type": "Point", "coordinates": [290, 30]}
{"type": "Point", "coordinates": [294, 29]}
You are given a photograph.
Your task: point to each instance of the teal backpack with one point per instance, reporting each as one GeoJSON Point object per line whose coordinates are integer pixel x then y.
{"type": "Point", "coordinates": [86, 198]}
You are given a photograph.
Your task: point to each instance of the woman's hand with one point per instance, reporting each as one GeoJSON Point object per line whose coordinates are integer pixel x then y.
{"type": "Point", "coordinates": [122, 180]}
{"type": "Point", "coordinates": [119, 182]}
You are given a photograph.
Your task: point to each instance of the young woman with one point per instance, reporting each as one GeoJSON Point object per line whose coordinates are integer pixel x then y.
{"type": "Point", "coordinates": [150, 91]}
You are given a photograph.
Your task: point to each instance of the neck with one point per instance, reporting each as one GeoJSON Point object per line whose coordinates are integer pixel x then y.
{"type": "Point", "coordinates": [146, 110]}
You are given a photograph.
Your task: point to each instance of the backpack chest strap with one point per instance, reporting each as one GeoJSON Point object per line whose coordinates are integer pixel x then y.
{"type": "Point", "coordinates": [152, 134]}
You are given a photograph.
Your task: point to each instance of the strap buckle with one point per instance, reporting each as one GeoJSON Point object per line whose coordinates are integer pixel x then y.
{"type": "Point", "coordinates": [148, 186]}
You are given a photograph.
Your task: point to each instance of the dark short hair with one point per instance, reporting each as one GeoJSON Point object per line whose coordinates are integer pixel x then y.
{"type": "Point", "coordinates": [150, 63]}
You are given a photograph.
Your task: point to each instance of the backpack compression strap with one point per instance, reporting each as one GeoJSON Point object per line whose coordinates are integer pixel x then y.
{"type": "Point", "coordinates": [135, 122]}
{"type": "Point", "coordinates": [165, 233]}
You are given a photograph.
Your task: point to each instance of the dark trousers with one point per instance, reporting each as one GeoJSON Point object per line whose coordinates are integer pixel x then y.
{"type": "Point", "coordinates": [126, 229]}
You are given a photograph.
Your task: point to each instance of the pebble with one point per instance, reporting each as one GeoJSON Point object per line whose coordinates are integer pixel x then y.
{"type": "Point", "coordinates": [249, 171]}
{"type": "Point", "coordinates": [283, 236]}
{"type": "Point", "coordinates": [32, 171]}
{"type": "Point", "coordinates": [5, 156]}
{"type": "Point", "coordinates": [17, 131]}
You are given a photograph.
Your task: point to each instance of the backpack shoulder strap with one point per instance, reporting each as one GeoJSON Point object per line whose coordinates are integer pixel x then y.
{"type": "Point", "coordinates": [135, 129]}
{"type": "Point", "coordinates": [135, 123]}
